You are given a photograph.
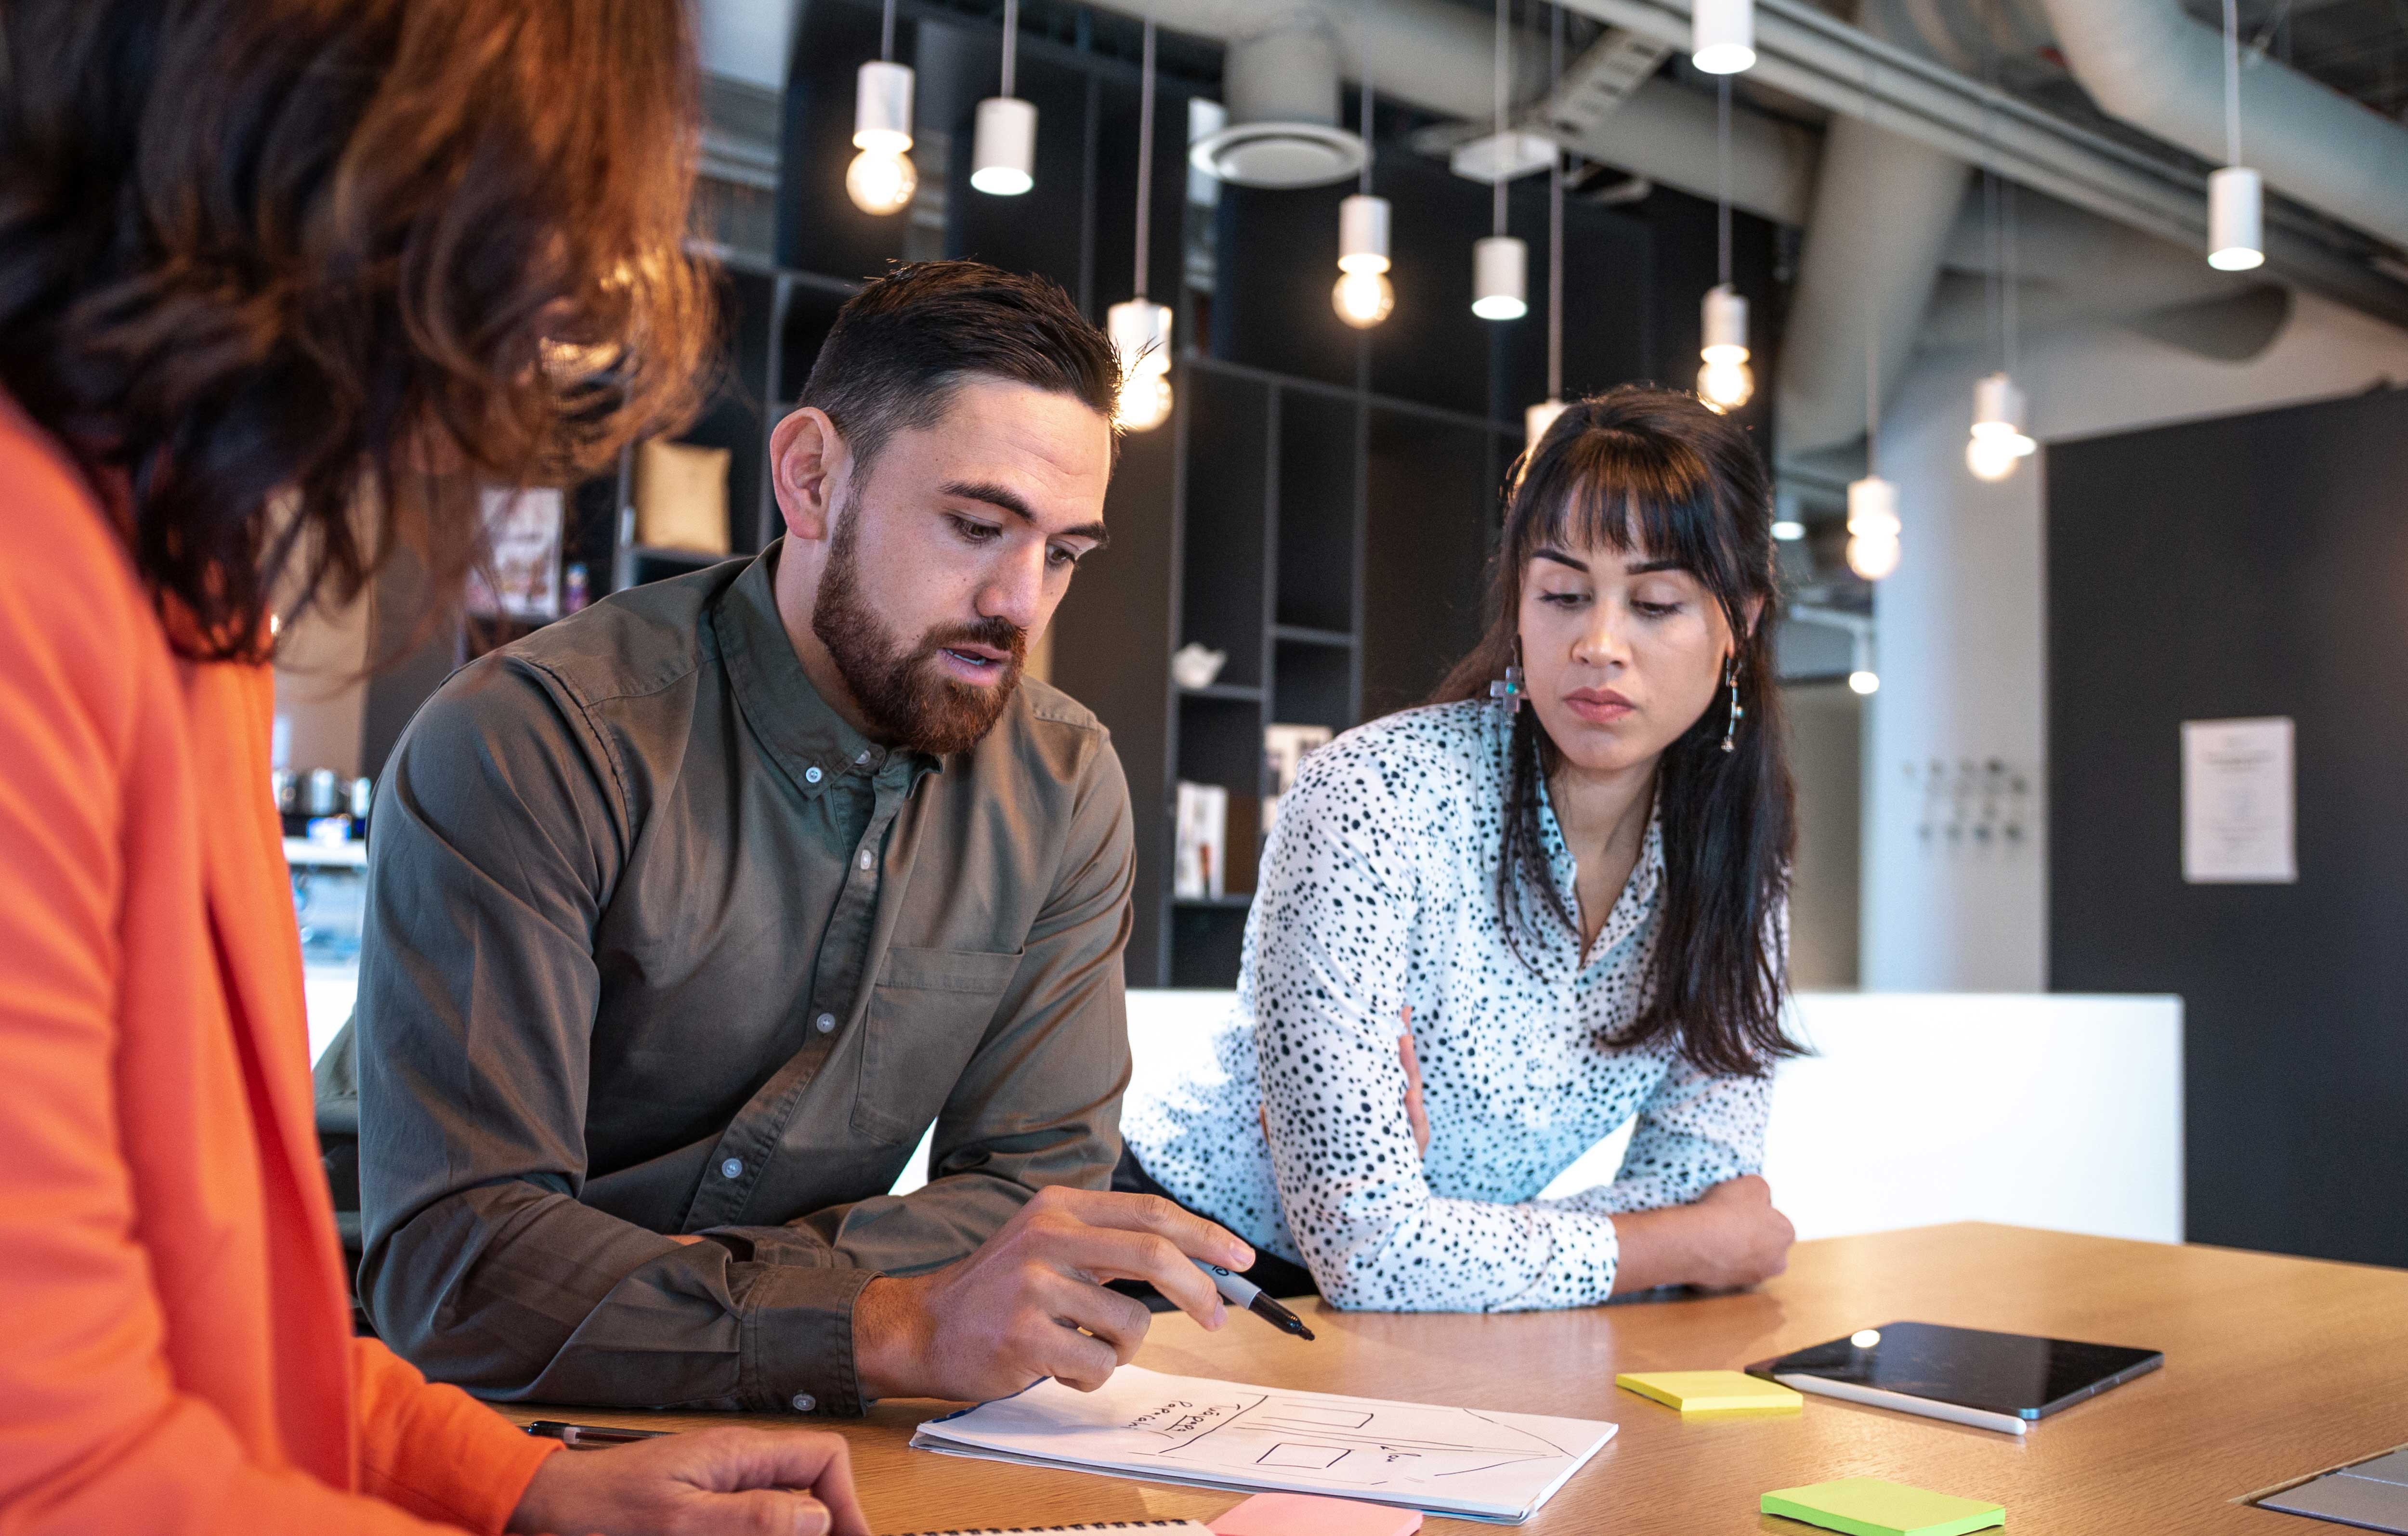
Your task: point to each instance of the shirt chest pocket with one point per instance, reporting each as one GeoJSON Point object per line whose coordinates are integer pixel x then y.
{"type": "Point", "coordinates": [928, 1013]}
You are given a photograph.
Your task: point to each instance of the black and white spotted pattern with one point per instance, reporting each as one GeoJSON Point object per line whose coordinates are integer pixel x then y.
{"type": "Point", "coordinates": [1378, 891]}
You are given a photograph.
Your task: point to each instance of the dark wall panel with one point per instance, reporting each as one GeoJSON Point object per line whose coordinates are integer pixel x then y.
{"type": "Point", "coordinates": [2251, 565]}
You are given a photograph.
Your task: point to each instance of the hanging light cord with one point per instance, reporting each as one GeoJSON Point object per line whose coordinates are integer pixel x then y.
{"type": "Point", "coordinates": [1722, 180]}
{"type": "Point", "coordinates": [1010, 43]}
{"type": "Point", "coordinates": [2007, 316]}
{"type": "Point", "coordinates": [1504, 51]}
{"type": "Point", "coordinates": [1556, 224]}
{"type": "Point", "coordinates": [1144, 156]}
{"type": "Point", "coordinates": [1364, 185]}
{"type": "Point", "coordinates": [887, 33]}
{"type": "Point", "coordinates": [2231, 82]}
{"type": "Point", "coordinates": [1993, 307]}
{"type": "Point", "coordinates": [1872, 327]}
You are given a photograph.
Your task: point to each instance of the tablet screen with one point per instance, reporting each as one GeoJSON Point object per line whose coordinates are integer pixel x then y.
{"type": "Point", "coordinates": [2004, 1373]}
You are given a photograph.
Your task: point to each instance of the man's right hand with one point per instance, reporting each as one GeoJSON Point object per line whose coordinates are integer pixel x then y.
{"type": "Point", "coordinates": [1010, 1313]}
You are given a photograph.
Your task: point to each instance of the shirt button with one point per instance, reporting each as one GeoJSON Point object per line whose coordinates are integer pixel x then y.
{"type": "Point", "coordinates": [826, 1022]}
{"type": "Point", "coordinates": [732, 1169]}
{"type": "Point", "coordinates": [865, 858]}
{"type": "Point", "coordinates": [810, 776]}
{"type": "Point", "coordinates": [864, 757]}
{"type": "Point", "coordinates": [805, 1402]}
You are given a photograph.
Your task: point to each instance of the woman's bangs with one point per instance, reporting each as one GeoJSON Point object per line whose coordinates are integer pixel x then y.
{"type": "Point", "coordinates": [1619, 491]}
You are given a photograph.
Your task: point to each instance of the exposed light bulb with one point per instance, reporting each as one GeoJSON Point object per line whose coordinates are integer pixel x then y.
{"type": "Point", "coordinates": [2235, 219]}
{"type": "Point", "coordinates": [1141, 334]}
{"type": "Point", "coordinates": [1725, 382]}
{"type": "Point", "coordinates": [1145, 402]}
{"type": "Point", "coordinates": [1863, 682]}
{"type": "Point", "coordinates": [882, 178]}
{"type": "Point", "coordinates": [1721, 36]}
{"type": "Point", "coordinates": [1363, 299]}
{"type": "Point", "coordinates": [1788, 530]}
{"type": "Point", "coordinates": [1989, 458]}
{"type": "Point", "coordinates": [1872, 557]}
{"type": "Point", "coordinates": [1364, 296]}
{"type": "Point", "coordinates": [1499, 277]}
{"type": "Point", "coordinates": [880, 182]}
{"type": "Point", "coordinates": [1725, 386]}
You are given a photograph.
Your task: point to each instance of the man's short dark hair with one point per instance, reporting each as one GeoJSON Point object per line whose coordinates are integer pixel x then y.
{"type": "Point", "coordinates": [901, 345]}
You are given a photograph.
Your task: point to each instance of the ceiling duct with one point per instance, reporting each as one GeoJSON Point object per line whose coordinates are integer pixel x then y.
{"type": "Point", "coordinates": [1280, 87]}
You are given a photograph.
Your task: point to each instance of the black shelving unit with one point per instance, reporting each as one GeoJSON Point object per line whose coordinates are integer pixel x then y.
{"type": "Point", "coordinates": [1250, 524]}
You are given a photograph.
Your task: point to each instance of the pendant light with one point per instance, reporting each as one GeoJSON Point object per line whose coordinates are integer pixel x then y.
{"type": "Point", "coordinates": [1872, 502]}
{"type": "Point", "coordinates": [2235, 195]}
{"type": "Point", "coordinates": [1500, 264]}
{"type": "Point", "coordinates": [882, 178]}
{"type": "Point", "coordinates": [1725, 381]}
{"type": "Point", "coordinates": [1997, 442]}
{"type": "Point", "coordinates": [1362, 297]}
{"type": "Point", "coordinates": [1537, 419]}
{"type": "Point", "coordinates": [1003, 151]}
{"type": "Point", "coordinates": [1140, 329]}
{"type": "Point", "coordinates": [1721, 36]}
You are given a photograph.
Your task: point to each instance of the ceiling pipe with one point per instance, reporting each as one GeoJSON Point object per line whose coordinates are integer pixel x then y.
{"type": "Point", "coordinates": [1435, 56]}
{"type": "Point", "coordinates": [1885, 207]}
{"type": "Point", "coordinates": [2145, 62]}
{"type": "Point", "coordinates": [1807, 53]}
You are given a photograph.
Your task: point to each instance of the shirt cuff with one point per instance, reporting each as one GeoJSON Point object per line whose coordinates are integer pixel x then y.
{"type": "Point", "coordinates": [799, 1339]}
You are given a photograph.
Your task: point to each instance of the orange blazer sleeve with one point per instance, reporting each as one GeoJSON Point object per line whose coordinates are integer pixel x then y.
{"type": "Point", "coordinates": [434, 1450]}
{"type": "Point", "coordinates": [95, 1434]}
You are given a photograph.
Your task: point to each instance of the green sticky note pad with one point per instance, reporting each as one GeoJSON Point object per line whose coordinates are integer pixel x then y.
{"type": "Point", "coordinates": [1718, 1392]}
{"type": "Point", "coordinates": [1868, 1506]}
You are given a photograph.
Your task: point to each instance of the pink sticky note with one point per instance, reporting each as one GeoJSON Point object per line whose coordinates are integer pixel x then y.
{"type": "Point", "coordinates": [1310, 1515]}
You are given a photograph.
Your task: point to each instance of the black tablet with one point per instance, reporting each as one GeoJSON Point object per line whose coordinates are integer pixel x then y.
{"type": "Point", "coordinates": [2013, 1375]}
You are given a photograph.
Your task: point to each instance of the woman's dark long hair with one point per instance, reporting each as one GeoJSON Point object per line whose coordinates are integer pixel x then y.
{"type": "Point", "coordinates": [1651, 469]}
{"type": "Point", "coordinates": [298, 274]}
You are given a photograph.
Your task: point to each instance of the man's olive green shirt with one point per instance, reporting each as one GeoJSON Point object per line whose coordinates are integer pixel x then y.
{"type": "Point", "coordinates": [656, 943]}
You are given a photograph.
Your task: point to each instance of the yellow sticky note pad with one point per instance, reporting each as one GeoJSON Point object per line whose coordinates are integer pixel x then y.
{"type": "Point", "coordinates": [1868, 1506]}
{"type": "Point", "coordinates": [1712, 1391]}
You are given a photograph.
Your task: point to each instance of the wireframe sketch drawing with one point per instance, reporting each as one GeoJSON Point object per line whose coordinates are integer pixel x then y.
{"type": "Point", "coordinates": [1190, 1429]}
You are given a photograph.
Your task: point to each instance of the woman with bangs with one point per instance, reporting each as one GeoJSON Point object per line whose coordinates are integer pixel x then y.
{"type": "Point", "coordinates": [1492, 930]}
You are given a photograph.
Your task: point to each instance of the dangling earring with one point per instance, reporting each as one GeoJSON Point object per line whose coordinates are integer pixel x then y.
{"type": "Point", "coordinates": [1507, 690]}
{"type": "Point", "coordinates": [1730, 680]}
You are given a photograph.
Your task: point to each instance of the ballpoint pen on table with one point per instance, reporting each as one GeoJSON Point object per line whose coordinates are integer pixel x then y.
{"type": "Point", "coordinates": [588, 1437]}
{"type": "Point", "coordinates": [1240, 1291]}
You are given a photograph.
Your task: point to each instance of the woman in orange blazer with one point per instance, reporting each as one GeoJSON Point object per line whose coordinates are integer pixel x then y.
{"type": "Point", "coordinates": [254, 256]}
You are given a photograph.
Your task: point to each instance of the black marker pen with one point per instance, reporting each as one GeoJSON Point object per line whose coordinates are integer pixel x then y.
{"type": "Point", "coordinates": [1240, 1291]}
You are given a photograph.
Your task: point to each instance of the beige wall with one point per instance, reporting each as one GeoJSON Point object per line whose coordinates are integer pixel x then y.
{"type": "Point", "coordinates": [319, 697]}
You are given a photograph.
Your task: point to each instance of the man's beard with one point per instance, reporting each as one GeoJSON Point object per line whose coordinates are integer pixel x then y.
{"type": "Point", "coordinates": [909, 700]}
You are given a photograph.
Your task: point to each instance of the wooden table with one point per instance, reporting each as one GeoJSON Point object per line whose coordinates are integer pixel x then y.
{"type": "Point", "coordinates": [2275, 1368]}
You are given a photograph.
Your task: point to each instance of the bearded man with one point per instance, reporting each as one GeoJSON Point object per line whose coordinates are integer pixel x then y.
{"type": "Point", "coordinates": [688, 915]}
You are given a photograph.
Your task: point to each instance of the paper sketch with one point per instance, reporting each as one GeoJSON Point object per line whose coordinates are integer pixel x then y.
{"type": "Point", "coordinates": [1464, 1461]}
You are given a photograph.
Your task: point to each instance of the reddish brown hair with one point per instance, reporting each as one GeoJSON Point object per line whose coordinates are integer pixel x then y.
{"type": "Point", "coordinates": [305, 271]}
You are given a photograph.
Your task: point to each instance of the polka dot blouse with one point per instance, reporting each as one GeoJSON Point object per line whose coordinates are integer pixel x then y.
{"type": "Point", "coordinates": [1378, 891]}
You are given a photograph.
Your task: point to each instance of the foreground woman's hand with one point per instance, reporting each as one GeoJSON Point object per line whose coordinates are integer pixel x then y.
{"type": "Point", "coordinates": [736, 1482]}
{"type": "Point", "coordinates": [1730, 1235]}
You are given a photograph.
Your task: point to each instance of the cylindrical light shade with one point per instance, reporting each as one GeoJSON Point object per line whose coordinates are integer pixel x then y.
{"type": "Point", "coordinates": [1723, 323]}
{"type": "Point", "coordinates": [1499, 277]}
{"type": "Point", "coordinates": [1003, 155]}
{"type": "Point", "coordinates": [1363, 234]}
{"type": "Point", "coordinates": [882, 107]}
{"type": "Point", "coordinates": [1537, 419]}
{"type": "Point", "coordinates": [1873, 508]}
{"type": "Point", "coordinates": [1998, 439]}
{"type": "Point", "coordinates": [1873, 527]}
{"type": "Point", "coordinates": [1721, 36]}
{"type": "Point", "coordinates": [2235, 219]}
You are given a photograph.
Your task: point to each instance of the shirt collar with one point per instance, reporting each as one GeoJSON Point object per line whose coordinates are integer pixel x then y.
{"type": "Point", "coordinates": [798, 728]}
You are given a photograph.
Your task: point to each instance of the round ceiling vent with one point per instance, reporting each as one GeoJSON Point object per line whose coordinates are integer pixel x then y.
{"type": "Point", "coordinates": [1281, 90]}
{"type": "Point", "coordinates": [1277, 155]}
